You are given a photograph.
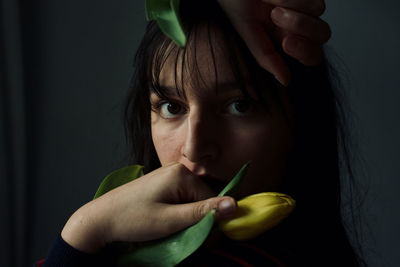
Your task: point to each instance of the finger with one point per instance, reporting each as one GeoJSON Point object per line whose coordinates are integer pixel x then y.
{"type": "Point", "coordinates": [311, 7]}
{"type": "Point", "coordinates": [188, 214]}
{"type": "Point", "coordinates": [312, 28]}
{"type": "Point", "coordinates": [305, 51]}
{"type": "Point", "coordinates": [263, 50]}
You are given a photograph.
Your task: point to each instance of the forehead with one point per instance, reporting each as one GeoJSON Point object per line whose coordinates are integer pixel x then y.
{"type": "Point", "coordinates": [207, 61]}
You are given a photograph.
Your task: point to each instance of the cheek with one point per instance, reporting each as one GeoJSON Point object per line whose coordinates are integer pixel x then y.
{"type": "Point", "coordinates": [166, 142]}
{"type": "Point", "coordinates": [267, 147]}
{"type": "Point", "coordinates": [263, 140]}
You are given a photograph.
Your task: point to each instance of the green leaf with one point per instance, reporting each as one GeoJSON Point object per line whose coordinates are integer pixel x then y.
{"type": "Point", "coordinates": [166, 13]}
{"type": "Point", "coordinates": [119, 177]}
{"type": "Point", "coordinates": [172, 250]}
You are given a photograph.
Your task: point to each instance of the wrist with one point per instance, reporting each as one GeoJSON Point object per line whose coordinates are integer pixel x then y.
{"type": "Point", "coordinates": [85, 229]}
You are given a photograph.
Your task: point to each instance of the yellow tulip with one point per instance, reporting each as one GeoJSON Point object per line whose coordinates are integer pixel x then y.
{"type": "Point", "coordinates": [257, 214]}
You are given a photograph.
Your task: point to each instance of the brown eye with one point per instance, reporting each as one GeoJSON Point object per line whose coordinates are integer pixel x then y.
{"type": "Point", "coordinates": [239, 107]}
{"type": "Point", "coordinates": [170, 110]}
{"type": "Point", "coordinates": [173, 108]}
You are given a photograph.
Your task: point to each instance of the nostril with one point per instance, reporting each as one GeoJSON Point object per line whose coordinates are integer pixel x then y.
{"type": "Point", "coordinates": [199, 152]}
{"type": "Point", "coordinates": [197, 156]}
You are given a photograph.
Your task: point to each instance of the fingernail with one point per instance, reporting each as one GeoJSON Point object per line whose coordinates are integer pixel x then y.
{"type": "Point", "coordinates": [226, 207]}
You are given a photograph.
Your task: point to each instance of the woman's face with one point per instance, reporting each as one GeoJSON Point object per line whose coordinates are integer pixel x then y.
{"type": "Point", "coordinates": [214, 131]}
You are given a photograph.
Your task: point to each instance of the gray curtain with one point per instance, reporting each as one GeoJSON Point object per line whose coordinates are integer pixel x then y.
{"type": "Point", "coordinates": [65, 69]}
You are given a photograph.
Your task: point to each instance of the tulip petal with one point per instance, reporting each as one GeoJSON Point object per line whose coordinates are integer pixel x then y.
{"type": "Point", "coordinates": [256, 214]}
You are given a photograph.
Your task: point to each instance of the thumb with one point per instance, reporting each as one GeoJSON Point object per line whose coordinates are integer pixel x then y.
{"type": "Point", "coordinates": [191, 213]}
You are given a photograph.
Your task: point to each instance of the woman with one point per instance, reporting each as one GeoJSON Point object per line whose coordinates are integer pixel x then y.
{"type": "Point", "coordinates": [195, 115]}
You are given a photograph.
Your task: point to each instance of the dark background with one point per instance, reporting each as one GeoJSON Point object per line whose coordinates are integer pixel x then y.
{"type": "Point", "coordinates": [64, 71]}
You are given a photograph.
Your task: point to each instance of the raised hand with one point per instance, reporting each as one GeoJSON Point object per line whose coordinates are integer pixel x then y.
{"type": "Point", "coordinates": [294, 25]}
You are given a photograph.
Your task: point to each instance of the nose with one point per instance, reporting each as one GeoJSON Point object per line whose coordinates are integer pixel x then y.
{"type": "Point", "coordinates": [201, 142]}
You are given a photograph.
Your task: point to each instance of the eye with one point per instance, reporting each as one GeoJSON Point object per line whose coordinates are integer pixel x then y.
{"type": "Point", "coordinates": [239, 107]}
{"type": "Point", "coordinates": [169, 110]}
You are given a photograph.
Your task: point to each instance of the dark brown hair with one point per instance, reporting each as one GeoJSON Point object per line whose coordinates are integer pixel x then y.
{"type": "Point", "coordinates": [319, 164]}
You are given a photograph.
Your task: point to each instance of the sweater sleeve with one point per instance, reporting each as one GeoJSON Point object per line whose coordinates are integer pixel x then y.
{"type": "Point", "coordinates": [61, 254]}
{"type": "Point", "coordinates": [231, 253]}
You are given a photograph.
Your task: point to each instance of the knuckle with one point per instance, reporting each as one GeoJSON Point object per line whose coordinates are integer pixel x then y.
{"type": "Point", "coordinates": [182, 177]}
{"type": "Point", "coordinates": [297, 23]}
{"type": "Point", "coordinates": [325, 31]}
{"type": "Point", "coordinates": [178, 167]}
{"type": "Point", "coordinates": [179, 170]}
{"type": "Point", "coordinates": [200, 210]}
